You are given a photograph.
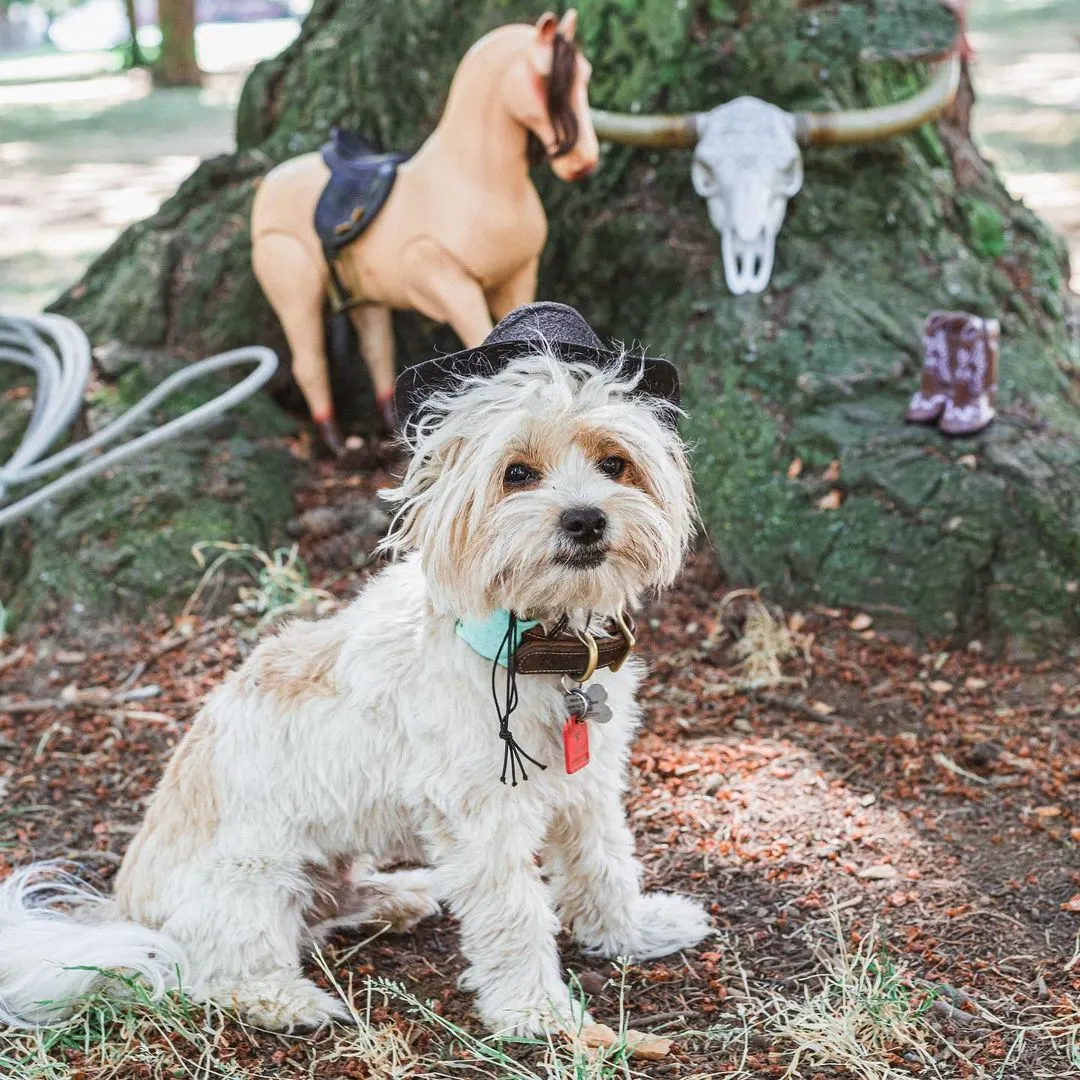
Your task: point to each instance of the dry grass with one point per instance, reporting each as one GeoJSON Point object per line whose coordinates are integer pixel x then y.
{"type": "Point", "coordinates": [860, 1016]}
{"type": "Point", "coordinates": [863, 1017]}
{"type": "Point", "coordinates": [279, 584]}
{"type": "Point", "coordinates": [764, 641]}
{"type": "Point", "coordinates": [120, 1032]}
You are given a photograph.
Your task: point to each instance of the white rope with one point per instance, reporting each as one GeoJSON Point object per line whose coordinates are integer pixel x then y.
{"type": "Point", "coordinates": [58, 353]}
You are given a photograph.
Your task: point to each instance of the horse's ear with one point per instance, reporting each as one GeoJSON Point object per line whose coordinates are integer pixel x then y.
{"type": "Point", "coordinates": [546, 28]}
{"type": "Point", "coordinates": [568, 24]}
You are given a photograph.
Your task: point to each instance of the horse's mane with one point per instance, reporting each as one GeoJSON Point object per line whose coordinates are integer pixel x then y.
{"type": "Point", "coordinates": [564, 123]}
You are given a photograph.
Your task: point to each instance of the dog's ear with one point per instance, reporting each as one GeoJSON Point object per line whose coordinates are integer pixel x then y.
{"type": "Point", "coordinates": [416, 494]}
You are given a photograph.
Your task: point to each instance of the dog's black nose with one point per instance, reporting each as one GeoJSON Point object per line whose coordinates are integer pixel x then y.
{"type": "Point", "coordinates": [584, 524]}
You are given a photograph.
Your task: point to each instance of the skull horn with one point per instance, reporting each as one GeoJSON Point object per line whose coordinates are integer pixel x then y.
{"type": "Point", "coordinates": [885, 121]}
{"type": "Point", "coordinates": [663, 132]}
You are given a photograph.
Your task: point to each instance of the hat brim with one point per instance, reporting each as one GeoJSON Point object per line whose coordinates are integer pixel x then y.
{"type": "Point", "coordinates": [445, 374]}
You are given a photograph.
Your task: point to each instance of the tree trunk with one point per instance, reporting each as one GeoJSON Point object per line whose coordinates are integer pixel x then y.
{"type": "Point", "coordinates": [977, 537]}
{"type": "Point", "coordinates": [137, 58]}
{"type": "Point", "coordinates": [176, 64]}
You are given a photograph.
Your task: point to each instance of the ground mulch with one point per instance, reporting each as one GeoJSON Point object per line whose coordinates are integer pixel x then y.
{"type": "Point", "coordinates": [926, 795]}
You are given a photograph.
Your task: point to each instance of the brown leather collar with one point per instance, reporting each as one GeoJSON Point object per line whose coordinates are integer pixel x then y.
{"type": "Point", "coordinates": [572, 653]}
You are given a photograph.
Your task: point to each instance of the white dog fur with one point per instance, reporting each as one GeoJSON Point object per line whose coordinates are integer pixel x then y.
{"type": "Point", "coordinates": [370, 739]}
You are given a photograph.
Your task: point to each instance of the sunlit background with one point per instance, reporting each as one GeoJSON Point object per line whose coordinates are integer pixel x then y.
{"type": "Point", "coordinates": [87, 147]}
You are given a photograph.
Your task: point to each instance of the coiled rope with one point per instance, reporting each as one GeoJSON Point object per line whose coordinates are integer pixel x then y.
{"type": "Point", "coordinates": [58, 353]}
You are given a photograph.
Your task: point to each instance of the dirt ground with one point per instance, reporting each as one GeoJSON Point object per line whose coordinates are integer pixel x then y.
{"type": "Point", "coordinates": [887, 844]}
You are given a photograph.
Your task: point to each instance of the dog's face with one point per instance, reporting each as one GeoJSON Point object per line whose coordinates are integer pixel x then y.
{"type": "Point", "coordinates": [547, 489]}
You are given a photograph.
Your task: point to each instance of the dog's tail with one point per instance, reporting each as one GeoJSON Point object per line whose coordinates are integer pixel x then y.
{"type": "Point", "coordinates": [61, 940]}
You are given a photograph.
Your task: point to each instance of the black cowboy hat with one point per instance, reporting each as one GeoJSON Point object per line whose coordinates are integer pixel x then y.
{"type": "Point", "coordinates": [561, 329]}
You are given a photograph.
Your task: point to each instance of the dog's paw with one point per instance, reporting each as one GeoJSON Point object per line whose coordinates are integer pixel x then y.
{"type": "Point", "coordinates": [408, 899]}
{"type": "Point", "coordinates": [510, 1016]}
{"type": "Point", "coordinates": [285, 1003]}
{"type": "Point", "coordinates": [661, 923]}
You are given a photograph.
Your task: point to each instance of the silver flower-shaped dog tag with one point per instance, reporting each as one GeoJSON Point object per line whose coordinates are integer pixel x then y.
{"type": "Point", "coordinates": [599, 710]}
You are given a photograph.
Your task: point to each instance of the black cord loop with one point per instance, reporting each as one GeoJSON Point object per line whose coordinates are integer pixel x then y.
{"type": "Point", "coordinates": [512, 752]}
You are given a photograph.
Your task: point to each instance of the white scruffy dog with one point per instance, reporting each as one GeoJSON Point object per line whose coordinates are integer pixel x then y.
{"type": "Point", "coordinates": [371, 739]}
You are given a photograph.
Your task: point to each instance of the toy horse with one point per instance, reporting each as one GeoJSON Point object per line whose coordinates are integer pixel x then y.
{"type": "Point", "coordinates": [459, 225]}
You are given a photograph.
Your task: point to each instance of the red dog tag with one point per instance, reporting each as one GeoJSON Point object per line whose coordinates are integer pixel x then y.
{"type": "Point", "coordinates": [575, 740]}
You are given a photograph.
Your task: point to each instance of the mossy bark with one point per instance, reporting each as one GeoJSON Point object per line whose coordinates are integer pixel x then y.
{"type": "Point", "coordinates": [121, 548]}
{"type": "Point", "coordinates": [973, 537]}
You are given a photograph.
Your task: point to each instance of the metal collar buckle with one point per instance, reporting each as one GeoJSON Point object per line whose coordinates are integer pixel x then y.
{"type": "Point", "coordinates": [628, 637]}
{"type": "Point", "coordinates": [589, 642]}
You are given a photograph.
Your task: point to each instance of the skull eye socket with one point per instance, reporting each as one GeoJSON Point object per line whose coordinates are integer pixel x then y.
{"type": "Point", "coordinates": [704, 177]}
{"type": "Point", "coordinates": [791, 176]}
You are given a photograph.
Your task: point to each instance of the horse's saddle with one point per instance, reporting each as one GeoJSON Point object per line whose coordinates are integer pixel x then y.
{"type": "Point", "coordinates": [359, 185]}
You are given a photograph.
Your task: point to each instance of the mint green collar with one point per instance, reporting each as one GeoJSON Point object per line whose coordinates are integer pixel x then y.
{"type": "Point", "coordinates": [487, 636]}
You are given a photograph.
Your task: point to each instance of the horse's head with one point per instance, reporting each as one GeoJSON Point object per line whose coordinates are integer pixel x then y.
{"type": "Point", "coordinates": [549, 97]}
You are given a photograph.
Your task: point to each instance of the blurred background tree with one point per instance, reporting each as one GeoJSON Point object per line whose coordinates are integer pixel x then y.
{"type": "Point", "coordinates": [176, 64]}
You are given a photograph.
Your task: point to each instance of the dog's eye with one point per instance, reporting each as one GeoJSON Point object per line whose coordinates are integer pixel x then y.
{"type": "Point", "coordinates": [613, 466]}
{"type": "Point", "coordinates": [518, 473]}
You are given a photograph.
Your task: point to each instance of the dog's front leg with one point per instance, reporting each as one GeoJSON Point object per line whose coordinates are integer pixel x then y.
{"type": "Point", "coordinates": [597, 884]}
{"type": "Point", "coordinates": [486, 871]}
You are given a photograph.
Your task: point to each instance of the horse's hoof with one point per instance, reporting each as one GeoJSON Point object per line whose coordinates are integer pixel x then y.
{"type": "Point", "coordinates": [388, 424]}
{"type": "Point", "coordinates": [331, 437]}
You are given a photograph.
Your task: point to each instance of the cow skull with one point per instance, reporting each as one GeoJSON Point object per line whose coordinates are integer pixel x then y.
{"type": "Point", "coordinates": [747, 164]}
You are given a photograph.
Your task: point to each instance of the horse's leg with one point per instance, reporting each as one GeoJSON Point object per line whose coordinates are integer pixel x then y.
{"type": "Point", "coordinates": [516, 290]}
{"type": "Point", "coordinates": [376, 332]}
{"type": "Point", "coordinates": [295, 285]}
{"type": "Point", "coordinates": [439, 287]}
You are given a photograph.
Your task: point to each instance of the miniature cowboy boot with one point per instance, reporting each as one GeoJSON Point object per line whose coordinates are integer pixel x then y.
{"type": "Point", "coordinates": [929, 401]}
{"type": "Point", "coordinates": [975, 345]}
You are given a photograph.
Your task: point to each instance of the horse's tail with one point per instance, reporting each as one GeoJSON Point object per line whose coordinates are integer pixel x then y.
{"type": "Point", "coordinates": [61, 940]}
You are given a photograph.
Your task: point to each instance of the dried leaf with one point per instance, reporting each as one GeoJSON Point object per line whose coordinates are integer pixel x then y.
{"type": "Point", "coordinates": [974, 685]}
{"type": "Point", "coordinates": [880, 872]}
{"type": "Point", "coordinates": [862, 621]}
{"type": "Point", "coordinates": [647, 1047]}
{"type": "Point", "coordinates": [940, 686]}
{"type": "Point", "coordinates": [1047, 811]}
{"type": "Point", "coordinates": [821, 708]}
{"type": "Point", "coordinates": [1072, 904]}
{"type": "Point", "coordinates": [598, 1035]}
{"type": "Point", "coordinates": [639, 1044]}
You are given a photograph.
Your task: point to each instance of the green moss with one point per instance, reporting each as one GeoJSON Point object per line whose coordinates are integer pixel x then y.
{"type": "Point", "coordinates": [986, 231]}
{"type": "Point", "coordinates": [121, 546]}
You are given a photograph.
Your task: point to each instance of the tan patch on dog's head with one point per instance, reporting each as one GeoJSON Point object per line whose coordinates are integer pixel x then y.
{"type": "Point", "coordinates": [597, 445]}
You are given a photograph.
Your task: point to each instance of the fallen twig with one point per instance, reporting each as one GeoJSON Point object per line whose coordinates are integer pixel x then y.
{"type": "Point", "coordinates": [797, 705]}
{"type": "Point", "coordinates": [71, 697]}
{"type": "Point", "coordinates": [950, 765]}
{"type": "Point", "coordinates": [173, 640]}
